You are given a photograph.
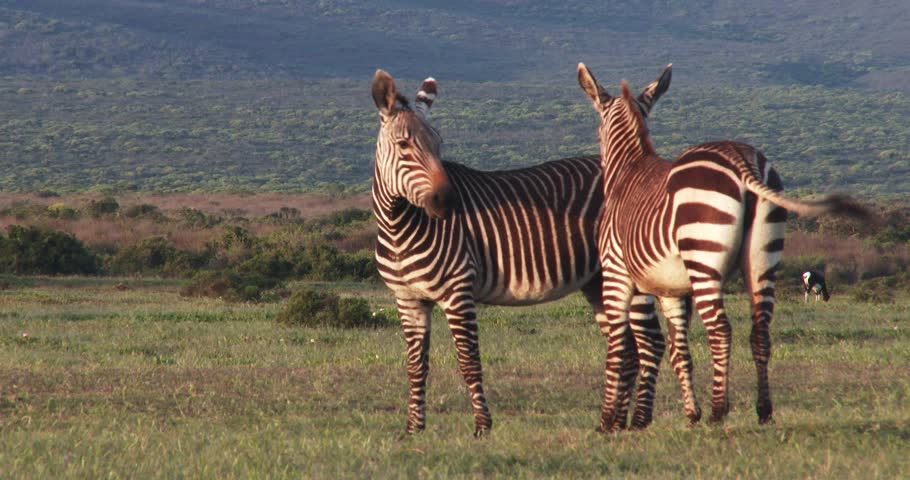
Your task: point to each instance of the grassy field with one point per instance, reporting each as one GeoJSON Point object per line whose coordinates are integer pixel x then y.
{"type": "Point", "coordinates": [137, 382]}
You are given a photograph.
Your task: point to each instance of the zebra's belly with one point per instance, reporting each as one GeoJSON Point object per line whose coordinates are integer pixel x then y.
{"type": "Point", "coordinates": [668, 278]}
{"type": "Point", "coordinates": [517, 294]}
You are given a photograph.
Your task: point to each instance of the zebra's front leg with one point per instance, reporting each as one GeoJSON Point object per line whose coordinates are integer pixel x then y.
{"type": "Point", "coordinates": [621, 352]}
{"type": "Point", "coordinates": [643, 308]}
{"type": "Point", "coordinates": [678, 316]}
{"type": "Point", "coordinates": [650, 345]}
{"type": "Point", "coordinates": [415, 322]}
{"type": "Point", "coordinates": [461, 314]}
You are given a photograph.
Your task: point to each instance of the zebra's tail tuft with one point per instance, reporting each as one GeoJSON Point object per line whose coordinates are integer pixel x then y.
{"type": "Point", "coordinates": [836, 204]}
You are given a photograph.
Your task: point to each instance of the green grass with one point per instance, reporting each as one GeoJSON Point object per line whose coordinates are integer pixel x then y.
{"type": "Point", "coordinates": [142, 383]}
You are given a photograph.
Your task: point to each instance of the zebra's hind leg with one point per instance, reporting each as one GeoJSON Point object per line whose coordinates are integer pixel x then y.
{"type": "Point", "coordinates": [710, 305]}
{"type": "Point", "coordinates": [764, 245]}
{"type": "Point", "coordinates": [461, 313]}
{"type": "Point", "coordinates": [678, 315]}
{"type": "Point", "coordinates": [650, 344]}
{"type": "Point", "coordinates": [415, 322]}
{"type": "Point", "coordinates": [760, 341]}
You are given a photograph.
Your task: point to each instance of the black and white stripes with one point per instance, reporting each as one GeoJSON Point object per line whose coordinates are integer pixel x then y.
{"type": "Point", "coordinates": [682, 228]}
{"type": "Point", "coordinates": [454, 236]}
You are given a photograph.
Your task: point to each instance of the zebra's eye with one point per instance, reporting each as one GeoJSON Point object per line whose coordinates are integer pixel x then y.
{"type": "Point", "coordinates": [403, 144]}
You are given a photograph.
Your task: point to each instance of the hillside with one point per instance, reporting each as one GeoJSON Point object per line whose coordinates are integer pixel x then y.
{"type": "Point", "coordinates": [273, 95]}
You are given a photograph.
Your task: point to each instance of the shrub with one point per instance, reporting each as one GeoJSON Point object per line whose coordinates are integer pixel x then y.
{"type": "Point", "coordinates": [325, 262]}
{"type": "Point", "coordinates": [312, 308]}
{"type": "Point", "coordinates": [879, 290]}
{"type": "Point", "coordinates": [841, 274]}
{"type": "Point", "coordinates": [355, 312]}
{"type": "Point", "coordinates": [46, 194]}
{"type": "Point", "coordinates": [230, 286]}
{"type": "Point", "coordinates": [342, 218]}
{"type": "Point", "coordinates": [104, 207]}
{"type": "Point", "coordinates": [792, 268]}
{"type": "Point", "coordinates": [268, 264]}
{"type": "Point", "coordinates": [62, 211]}
{"type": "Point", "coordinates": [197, 219]}
{"type": "Point", "coordinates": [143, 210]}
{"type": "Point", "coordinates": [149, 254]}
{"type": "Point", "coordinates": [158, 256]}
{"type": "Point", "coordinates": [883, 266]}
{"type": "Point", "coordinates": [33, 250]}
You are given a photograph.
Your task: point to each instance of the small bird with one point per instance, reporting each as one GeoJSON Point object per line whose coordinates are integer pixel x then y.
{"type": "Point", "coordinates": [815, 282]}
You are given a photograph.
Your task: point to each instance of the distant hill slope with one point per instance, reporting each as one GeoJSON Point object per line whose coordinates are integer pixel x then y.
{"type": "Point", "coordinates": [274, 94]}
{"type": "Point", "coordinates": [821, 42]}
{"type": "Point", "coordinates": [293, 135]}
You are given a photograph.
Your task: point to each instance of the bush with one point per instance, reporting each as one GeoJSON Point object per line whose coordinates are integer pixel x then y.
{"type": "Point", "coordinates": [342, 218]}
{"type": "Point", "coordinates": [792, 268]}
{"type": "Point", "coordinates": [156, 256]}
{"type": "Point", "coordinates": [150, 254]}
{"type": "Point", "coordinates": [62, 211]}
{"type": "Point", "coordinates": [312, 308]}
{"type": "Point", "coordinates": [879, 290]}
{"type": "Point", "coordinates": [33, 250]}
{"type": "Point", "coordinates": [197, 218]}
{"type": "Point", "coordinates": [104, 207]}
{"type": "Point", "coordinates": [327, 263]}
{"type": "Point", "coordinates": [230, 286]}
{"type": "Point", "coordinates": [143, 210]}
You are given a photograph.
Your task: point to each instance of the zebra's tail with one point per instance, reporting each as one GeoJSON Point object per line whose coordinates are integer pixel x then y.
{"type": "Point", "coordinates": [836, 204]}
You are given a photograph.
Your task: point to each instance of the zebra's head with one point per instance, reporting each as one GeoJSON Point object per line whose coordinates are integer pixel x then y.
{"type": "Point", "coordinates": [407, 149]}
{"type": "Point", "coordinates": [611, 107]}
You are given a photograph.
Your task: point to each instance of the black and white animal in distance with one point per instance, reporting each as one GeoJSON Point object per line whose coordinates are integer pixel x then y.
{"type": "Point", "coordinates": [815, 282]}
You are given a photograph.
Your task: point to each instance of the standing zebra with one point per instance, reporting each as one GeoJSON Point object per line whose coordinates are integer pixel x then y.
{"type": "Point", "coordinates": [675, 229]}
{"type": "Point", "coordinates": [815, 282]}
{"type": "Point", "coordinates": [454, 236]}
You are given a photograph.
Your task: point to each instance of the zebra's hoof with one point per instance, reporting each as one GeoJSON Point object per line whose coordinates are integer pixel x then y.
{"type": "Point", "coordinates": [607, 430]}
{"type": "Point", "coordinates": [765, 415]}
{"type": "Point", "coordinates": [481, 432]}
{"type": "Point", "coordinates": [414, 429]}
{"type": "Point", "coordinates": [694, 417]}
{"type": "Point", "coordinates": [640, 425]}
{"type": "Point", "coordinates": [719, 414]}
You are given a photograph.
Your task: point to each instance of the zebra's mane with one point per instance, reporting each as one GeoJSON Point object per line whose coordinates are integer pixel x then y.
{"type": "Point", "coordinates": [403, 102]}
{"type": "Point", "coordinates": [640, 126]}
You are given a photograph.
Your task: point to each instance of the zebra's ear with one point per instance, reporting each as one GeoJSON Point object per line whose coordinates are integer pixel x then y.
{"type": "Point", "coordinates": [425, 97]}
{"type": "Point", "coordinates": [384, 95]}
{"type": "Point", "coordinates": [599, 97]}
{"type": "Point", "coordinates": [657, 88]}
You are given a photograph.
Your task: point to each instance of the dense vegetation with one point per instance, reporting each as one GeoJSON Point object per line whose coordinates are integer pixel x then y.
{"type": "Point", "coordinates": [296, 136]}
{"type": "Point", "coordinates": [768, 41]}
{"type": "Point", "coordinates": [251, 254]}
{"type": "Point", "coordinates": [206, 95]}
{"type": "Point", "coordinates": [240, 258]}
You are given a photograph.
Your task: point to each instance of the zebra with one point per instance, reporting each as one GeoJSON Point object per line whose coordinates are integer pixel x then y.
{"type": "Point", "coordinates": [454, 236]}
{"type": "Point", "coordinates": [673, 229]}
{"type": "Point", "coordinates": [815, 282]}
